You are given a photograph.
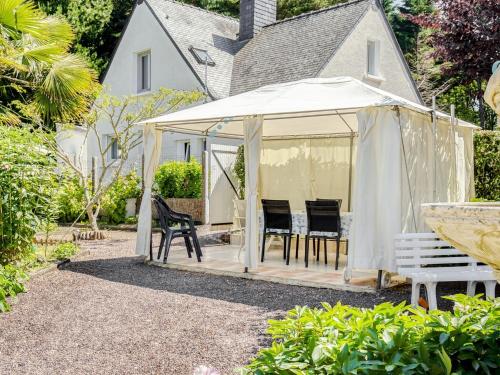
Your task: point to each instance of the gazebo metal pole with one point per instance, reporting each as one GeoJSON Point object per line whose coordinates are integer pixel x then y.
{"type": "Point", "coordinates": [350, 159]}
{"type": "Point", "coordinates": [350, 172]}
{"type": "Point", "coordinates": [454, 151]}
{"type": "Point", "coordinates": [434, 131]}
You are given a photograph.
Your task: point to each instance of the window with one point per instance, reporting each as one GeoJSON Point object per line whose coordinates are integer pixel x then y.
{"type": "Point", "coordinates": [373, 58]}
{"type": "Point", "coordinates": [187, 151]}
{"type": "Point", "coordinates": [114, 150]}
{"type": "Point", "coordinates": [144, 71]}
{"type": "Point", "coordinates": [202, 56]}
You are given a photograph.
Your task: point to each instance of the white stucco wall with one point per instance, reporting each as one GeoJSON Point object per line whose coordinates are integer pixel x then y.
{"type": "Point", "coordinates": [352, 58]}
{"type": "Point", "coordinates": [73, 142]}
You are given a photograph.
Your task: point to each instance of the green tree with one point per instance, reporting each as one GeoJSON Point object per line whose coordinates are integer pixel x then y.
{"type": "Point", "coordinates": [465, 36]}
{"type": "Point", "coordinates": [39, 78]}
{"type": "Point", "coordinates": [290, 8]}
{"type": "Point", "coordinates": [226, 7]}
{"type": "Point", "coordinates": [121, 114]}
{"type": "Point", "coordinates": [407, 31]}
{"type": "Point", "coordinates": [97, 24]}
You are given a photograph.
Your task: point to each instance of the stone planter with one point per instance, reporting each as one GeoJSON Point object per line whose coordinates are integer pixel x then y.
{"type": "Point", "coordinates": [191, 206]}
{"type": "Point", "coordinates": [473, 228]}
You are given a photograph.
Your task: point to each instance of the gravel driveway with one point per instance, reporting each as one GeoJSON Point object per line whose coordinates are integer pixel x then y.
{"type": "Point", "coordinates": [108, 313]}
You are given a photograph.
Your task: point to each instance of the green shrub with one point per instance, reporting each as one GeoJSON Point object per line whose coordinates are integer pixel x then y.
{"type": "Point", "coordinates": [64, 251]}
{"type": "Point", "coordinates": [176, 179]}
{"type": "Point", "coordinates": [114, 202]}
{"type": "Point", "coordinates": [69, 199]}
{"type": "Point", "coordinates": [386, 339]}
{"type": "Point", "coordinates": [11, 284]}
{"type": "Point", "coordinates": [27, 183]}
{"type": "Point", "coordinates": [487, 164]}
{"type": "Point", "coordinates": [239, 170]}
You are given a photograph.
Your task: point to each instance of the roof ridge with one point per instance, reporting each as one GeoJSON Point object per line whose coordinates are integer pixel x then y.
{"type": "Point", "coordinates": [202, 10]}
{"type": "Point", "coordinates": [317, 11]}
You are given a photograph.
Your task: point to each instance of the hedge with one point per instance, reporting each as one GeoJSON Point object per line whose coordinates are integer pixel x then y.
{"type": "Point", "coordinates": [178, 179]}
{"type": "Point", "coordinates": [487, 164]}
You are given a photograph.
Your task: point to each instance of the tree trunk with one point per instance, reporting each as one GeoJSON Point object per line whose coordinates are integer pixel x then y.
{"type": "Point", "coordinates": [92, 219]}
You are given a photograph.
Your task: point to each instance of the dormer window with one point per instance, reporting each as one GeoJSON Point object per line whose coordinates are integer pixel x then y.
{"type": "Point", "coordinates": [202, 56]}
{"type": "Point", "coordinates": [144, 71]}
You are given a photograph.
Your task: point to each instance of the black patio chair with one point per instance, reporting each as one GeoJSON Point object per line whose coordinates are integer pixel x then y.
{"type": "Point", "coordinates": [277, 222]}
{"type": "Point", "coordinates": [175, 225]}
{"type": "Point", "coordinates": [317, 240]}
{"type": "Point", "coordinates": [323, 222]}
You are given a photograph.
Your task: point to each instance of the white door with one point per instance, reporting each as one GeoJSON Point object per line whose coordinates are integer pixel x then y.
{"type": "Point", "coordinates": [223, 183]}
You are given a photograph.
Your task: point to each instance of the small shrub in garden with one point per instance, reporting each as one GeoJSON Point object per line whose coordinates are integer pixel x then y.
{"type": "Point", "coordinates": [64, 251]}
{"type": "Point", "coordinates": [11, 284]}
{"type": "Point", "coordinates": [70, 199]}
{"type": "Point", "coordinates": [114, 202]}
{"type": "Point", "coordinates": [176, 179]}
{"type": "Point", "coordinates": [387, 339]}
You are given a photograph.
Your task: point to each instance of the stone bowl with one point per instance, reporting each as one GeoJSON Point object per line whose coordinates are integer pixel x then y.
{"type": "Point", "coordinates": [473, 228]}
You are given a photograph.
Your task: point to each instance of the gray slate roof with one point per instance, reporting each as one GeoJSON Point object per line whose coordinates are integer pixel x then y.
{"type": "Point", "coordinates": [192, 26]}
{"type": "Point", "coordinates": [295, 48]}
{"type": "Point", "coordinates": [288, 50]}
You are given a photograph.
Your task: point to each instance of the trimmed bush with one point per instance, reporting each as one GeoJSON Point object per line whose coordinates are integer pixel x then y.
{"type": "Point", "coordinates": [387, 339]}
{"type": "Point", "coordinates": [114, 202]}
{"type": "Point", "coordinates": [487, 164]}
{"type": "Point", "coordinates": [176, 179]}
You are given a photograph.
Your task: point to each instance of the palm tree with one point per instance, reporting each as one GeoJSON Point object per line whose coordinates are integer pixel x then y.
{"type": "Point", "coordinates": [39, 79]}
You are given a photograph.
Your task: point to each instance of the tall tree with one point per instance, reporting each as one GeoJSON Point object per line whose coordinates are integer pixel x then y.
{"type": "Point", "coordinates": [407, 31]}
{"type": "Point", "coordinates": [226, 7]}
{"type": "Point", "coordinates": [290, 8]}
{"type": "Point", "coordinates": [39, 78]}
{"type": "Point", "coordinates": [467, 38]}
{"type": "Point", "coordinates": [97, 25]}
{"type": "Point", "coordinates": [426, 71]}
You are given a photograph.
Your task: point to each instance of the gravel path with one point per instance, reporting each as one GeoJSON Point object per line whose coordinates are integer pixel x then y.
{"type": "Point", "coordinates": [108, 313]}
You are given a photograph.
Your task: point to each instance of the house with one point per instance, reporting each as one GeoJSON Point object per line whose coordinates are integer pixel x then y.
{"type": "Point", "coordinates": [170, 44]}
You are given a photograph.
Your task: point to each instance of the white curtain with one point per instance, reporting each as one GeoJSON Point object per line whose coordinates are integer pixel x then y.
{"type": "Point", "coordinates": [316, 168]}
{"type": "Point", "coordinates": [377, 191]}
{"type": "Point", "coordinates": [253, 144]}
{"type": "Point", "coordinates": [152, 149]}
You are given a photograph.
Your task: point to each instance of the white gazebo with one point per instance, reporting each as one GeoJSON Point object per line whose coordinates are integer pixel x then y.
{"type": "Point", "coordinates": [384, 154]}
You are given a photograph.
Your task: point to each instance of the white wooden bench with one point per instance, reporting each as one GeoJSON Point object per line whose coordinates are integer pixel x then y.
{"type": "Point", "coordinates": [427, 260]}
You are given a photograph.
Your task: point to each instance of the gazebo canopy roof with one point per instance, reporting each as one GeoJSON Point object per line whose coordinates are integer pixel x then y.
{"type": "Point", "coordinates": [311, 107]}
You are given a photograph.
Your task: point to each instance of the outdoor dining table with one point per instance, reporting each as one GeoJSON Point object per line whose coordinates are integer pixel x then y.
{"type": "Point", "coordinates": [299, 222]}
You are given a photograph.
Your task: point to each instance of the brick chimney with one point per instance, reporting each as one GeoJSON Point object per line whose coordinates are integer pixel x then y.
{"type": "Point", "coordinates": [254, 15]}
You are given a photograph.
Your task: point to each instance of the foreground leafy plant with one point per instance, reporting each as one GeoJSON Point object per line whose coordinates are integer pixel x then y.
{"type": "Point", "coordinates": [386, 339]}
{"type": "Point", "coordinates": [11, 279]}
